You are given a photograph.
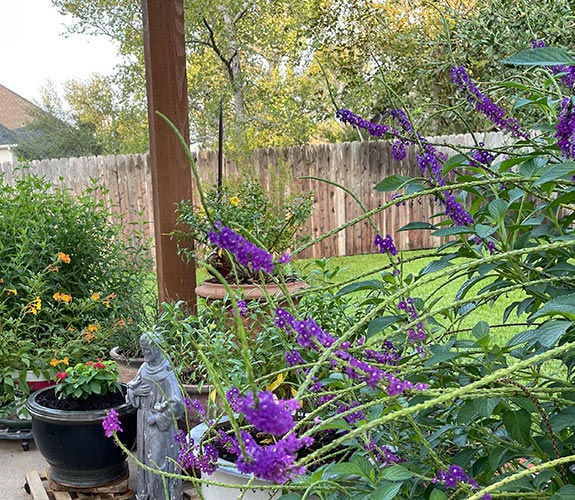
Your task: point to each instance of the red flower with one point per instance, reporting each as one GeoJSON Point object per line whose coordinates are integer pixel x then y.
{"type": "Point", "coordinates": [89, 363]}
{"type": "Point", "coordinates": [99, 364]}
{"type": "Point", "coordinates": [61, 375]}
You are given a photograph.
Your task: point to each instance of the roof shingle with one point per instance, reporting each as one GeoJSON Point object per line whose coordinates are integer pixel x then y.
{"type": "Point", "coordinates": [14, 109]}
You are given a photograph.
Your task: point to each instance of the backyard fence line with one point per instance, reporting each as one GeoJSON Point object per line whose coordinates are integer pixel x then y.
{"type": "Point", "coordinates": [358, 166]}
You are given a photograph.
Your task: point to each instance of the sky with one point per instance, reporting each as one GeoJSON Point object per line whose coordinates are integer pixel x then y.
{"type": "Point", "coordinates": [35, 51]}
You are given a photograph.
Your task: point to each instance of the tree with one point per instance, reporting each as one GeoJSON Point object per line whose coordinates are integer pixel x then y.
{"type": "Point", "coordinates": [56, 133]}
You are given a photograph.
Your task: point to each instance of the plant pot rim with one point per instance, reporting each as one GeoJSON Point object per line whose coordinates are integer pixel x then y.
{"type": "Point", "coordinates": [196, 433]}
{"type": "Point", "coordinates": [249, 291]}
{"type": "Point", "coordinates": [116, 355]}
{"type": "Point", "coordinates": [44, 413]}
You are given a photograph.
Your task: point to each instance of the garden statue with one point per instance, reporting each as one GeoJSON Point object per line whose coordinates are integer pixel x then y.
{"type": "Point", "coordinates": [157, 395]}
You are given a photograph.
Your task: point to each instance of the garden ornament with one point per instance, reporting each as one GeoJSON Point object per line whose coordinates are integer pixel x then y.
{"type": "Point", "coordinates": [157, 395]}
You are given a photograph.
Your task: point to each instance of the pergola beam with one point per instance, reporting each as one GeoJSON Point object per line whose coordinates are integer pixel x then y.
{"type": "Point", "coordinates": [167, 90]}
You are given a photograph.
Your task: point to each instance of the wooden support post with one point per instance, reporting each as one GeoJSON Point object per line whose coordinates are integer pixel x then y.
{"type": "Point", "coordinates": [165, 59]}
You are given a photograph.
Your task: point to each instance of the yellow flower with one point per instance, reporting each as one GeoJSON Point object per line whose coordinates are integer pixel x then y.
{"type": "Point", "coordinates": [54, 362]}
{"type": "Point", "coordinates": [95, 296]}
{"type": "Point", "coordinates": [35, 306]}
{"type": "Point", "coordinates": [64, 257]}
{"type": "Point", "coordinates": [92, 328]}
{"type": "Point", "coordinates": [235, 201]}
{"type": "Point", "coordinates": [66, 361]}
{"type": "Point", "coordinates": [11, 291]}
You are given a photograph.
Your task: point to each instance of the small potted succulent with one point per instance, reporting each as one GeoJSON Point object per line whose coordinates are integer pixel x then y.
{"type": "Point", "coordinates": [71, 419]}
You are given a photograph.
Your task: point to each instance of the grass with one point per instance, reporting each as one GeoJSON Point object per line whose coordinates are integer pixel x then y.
{"type": "Point", "coordinates": [443, 290]}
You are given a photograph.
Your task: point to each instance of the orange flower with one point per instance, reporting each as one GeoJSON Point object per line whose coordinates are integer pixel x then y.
{"type": "Point", "coordinates": [92, 327]}
{"type": "Point", "coordinates": [95, 296]}
{"type": "Point", "coordinates": [62, 297]}
{"type": "Point", "coordinates": [54, 362]}
{"type": "Point", "coordinates": [64, 257]}
{"type": "Point", "coordinates": [35, 306]}
{"type": "Point", "coordinates": [121, 323]}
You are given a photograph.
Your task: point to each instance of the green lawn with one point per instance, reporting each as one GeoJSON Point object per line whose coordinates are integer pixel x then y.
{"type": "Point", "coordinates": [370, 265]}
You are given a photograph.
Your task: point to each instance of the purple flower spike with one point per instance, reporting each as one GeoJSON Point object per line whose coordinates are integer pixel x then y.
{"type": "Point", "coordinates": [566, 129]}
{"type": "Point", "coordinates": [385, 245]}
{"type": "Point", "coordinates": [111, 423]}
{"type": "Point", "coordinates": [484, 104]}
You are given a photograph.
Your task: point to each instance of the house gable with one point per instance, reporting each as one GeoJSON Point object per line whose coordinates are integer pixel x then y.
{"type": "Point", "coordinates": [14, 110]}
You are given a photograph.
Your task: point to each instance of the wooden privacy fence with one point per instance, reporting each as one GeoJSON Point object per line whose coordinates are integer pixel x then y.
{"type": "Point", "coordinates": [358, 166]}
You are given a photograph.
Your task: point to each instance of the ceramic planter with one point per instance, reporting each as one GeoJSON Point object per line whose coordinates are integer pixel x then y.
{"type": "Point", "coordinates": [228, 473]}
{"type": "Point", "coordinates": [74, 444]}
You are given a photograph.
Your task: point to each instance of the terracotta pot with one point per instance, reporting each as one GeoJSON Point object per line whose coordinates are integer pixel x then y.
{"type": "Point", "coordinates": [75, 446]}
{"type": "Point", "coordinates": [128, 367]}
{"type": "Point", "coordinates": [217, 291]}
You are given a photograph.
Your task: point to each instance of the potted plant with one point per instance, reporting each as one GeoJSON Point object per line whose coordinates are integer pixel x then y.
{"type": "Point", "coordinates": [249, 219]}
{"type": "Point", "coordinates": [70, 422]}
{"type": "Point", "coordinates": [71, 285]}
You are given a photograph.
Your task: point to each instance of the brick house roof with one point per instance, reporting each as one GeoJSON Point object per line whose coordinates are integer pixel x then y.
{"type": "Point", "coordinates": [13, 109]}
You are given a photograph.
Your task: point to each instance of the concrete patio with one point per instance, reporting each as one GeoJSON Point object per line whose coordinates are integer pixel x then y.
{"type": "Point", "coordinates": [15, 462]}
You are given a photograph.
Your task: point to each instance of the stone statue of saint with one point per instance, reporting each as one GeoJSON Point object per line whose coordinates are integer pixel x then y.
{"type": "Point", "coordinates": [157, 395]}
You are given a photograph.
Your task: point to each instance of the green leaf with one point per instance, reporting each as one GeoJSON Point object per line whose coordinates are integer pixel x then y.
{"type": "Point", "coordinates": [342, 469]}
{"type": "Point", "coordinates": [556, 171]}
{"type": "Point", "coordinates": [498, 208]}
{"type": "Point", "coordinates": [480, 330]}
{"type": "Point", "coordinates": [396, 473]}
{"type": "Point", "coordinates": [518, 425]}
{"type": "Point", "coordinates": [559, 306]}
{"type": "Point", "coordinates": [393, 183]}
{"type": "Point", "coordinates": [379, 324]}
{"type": "Point", "coordinates": [563, 419]}
{"type": "Point", "coordinates": [437, 495]}
{"type": "Point", "coordinates": [546, 334]}
{"type": "Point", "coordinates": [385, 492]}
{"type": "Point", "coordinates": [434, 266]}
{"type": "Point", "coordinates": [440, 357]}
{"type": "Point", "coordinates": [452, 231]}
{"type": "Point", "coordinates": [360, 285]}
{"type": "Point", "coordinates": [417, 225]}
{"type": "Point", "coordinates": [565, 493]}
{"type": "Point", "coordinates": [485, 406]}
{"type": "Point", "coordinates": [290, 496]}
{"type": "Point", "coordinates": [484, 231]}
{"type": "Point", "coordinates": [546, 56]}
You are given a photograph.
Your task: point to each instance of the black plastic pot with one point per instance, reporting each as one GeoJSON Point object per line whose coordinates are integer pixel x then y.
{"type": "Point", "coordinates": [74, 444]}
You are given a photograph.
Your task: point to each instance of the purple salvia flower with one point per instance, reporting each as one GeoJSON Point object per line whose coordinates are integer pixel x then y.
{"type": "Point", "coordinates": [242, 308]}
{"type": "Point", "coordinates": [284, 258]}
{"type": "Point", "coordinates": [246, 253]}
{"type": "Point", "coordinates": [293, 358]}
{"type": "Point", "coordinates": [270, 415]}
{"type": "Point", "coordinates": [374, 129]}
{"type": "Point", "coordinates": [484, 104]}
{"type": "Point", "coordinates": [111, 423]}
{"type": "Point", "coordinates": [481, 156]}
{"type": "Point", "coordinates": [385, 245]}
{"type": "Point", "coordinates": [566, 129]}
{"type": "Point", "coordinates": [275, 462]}
{"type": "Point", "coordinates": [455, 475]}
{"type": "Point", "coordinates": [235, 399]}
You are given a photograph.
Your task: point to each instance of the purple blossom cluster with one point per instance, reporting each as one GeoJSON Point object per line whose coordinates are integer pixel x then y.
{"type": "Point", "coordinates": [111, 423]}
{"type": "Point", "coordinates": [455, 475]}
{"type": "Point", "coordinates": [191, 456]}
{"type": "Point", "coordinates": [242, 308]}
{"type": "Point", "coordinates": [566, 128]}
{"type": "Point", "coordinates": [396, 386]}
{"type": "Point", "coordinates": [481, 156]}
{"type": "Point", "coordinates": [374, 129]}
{"type": "Point", "coordinates": [383, 454]}
{"type": "Point", "coordinates": [246, 253]}
{"type": "Point", "coordinates": [417, 333]}
{"type": "Point", "coordinates": [567, 72]}
{"type": "Point", "coordinates": [484, 104]}
{"type": "Point", "coordinates": [266, 413]}
{"type": "Point", "coordinates": [274, 462]}
{"type": "Point", "coordinates": [430, 160]}
{"type": "Point", "coordinates": [355, 368]}
{"type": "Point", "coordinates": [385, 245]}
{"type": "Point", "coordinates": [489, 244]}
